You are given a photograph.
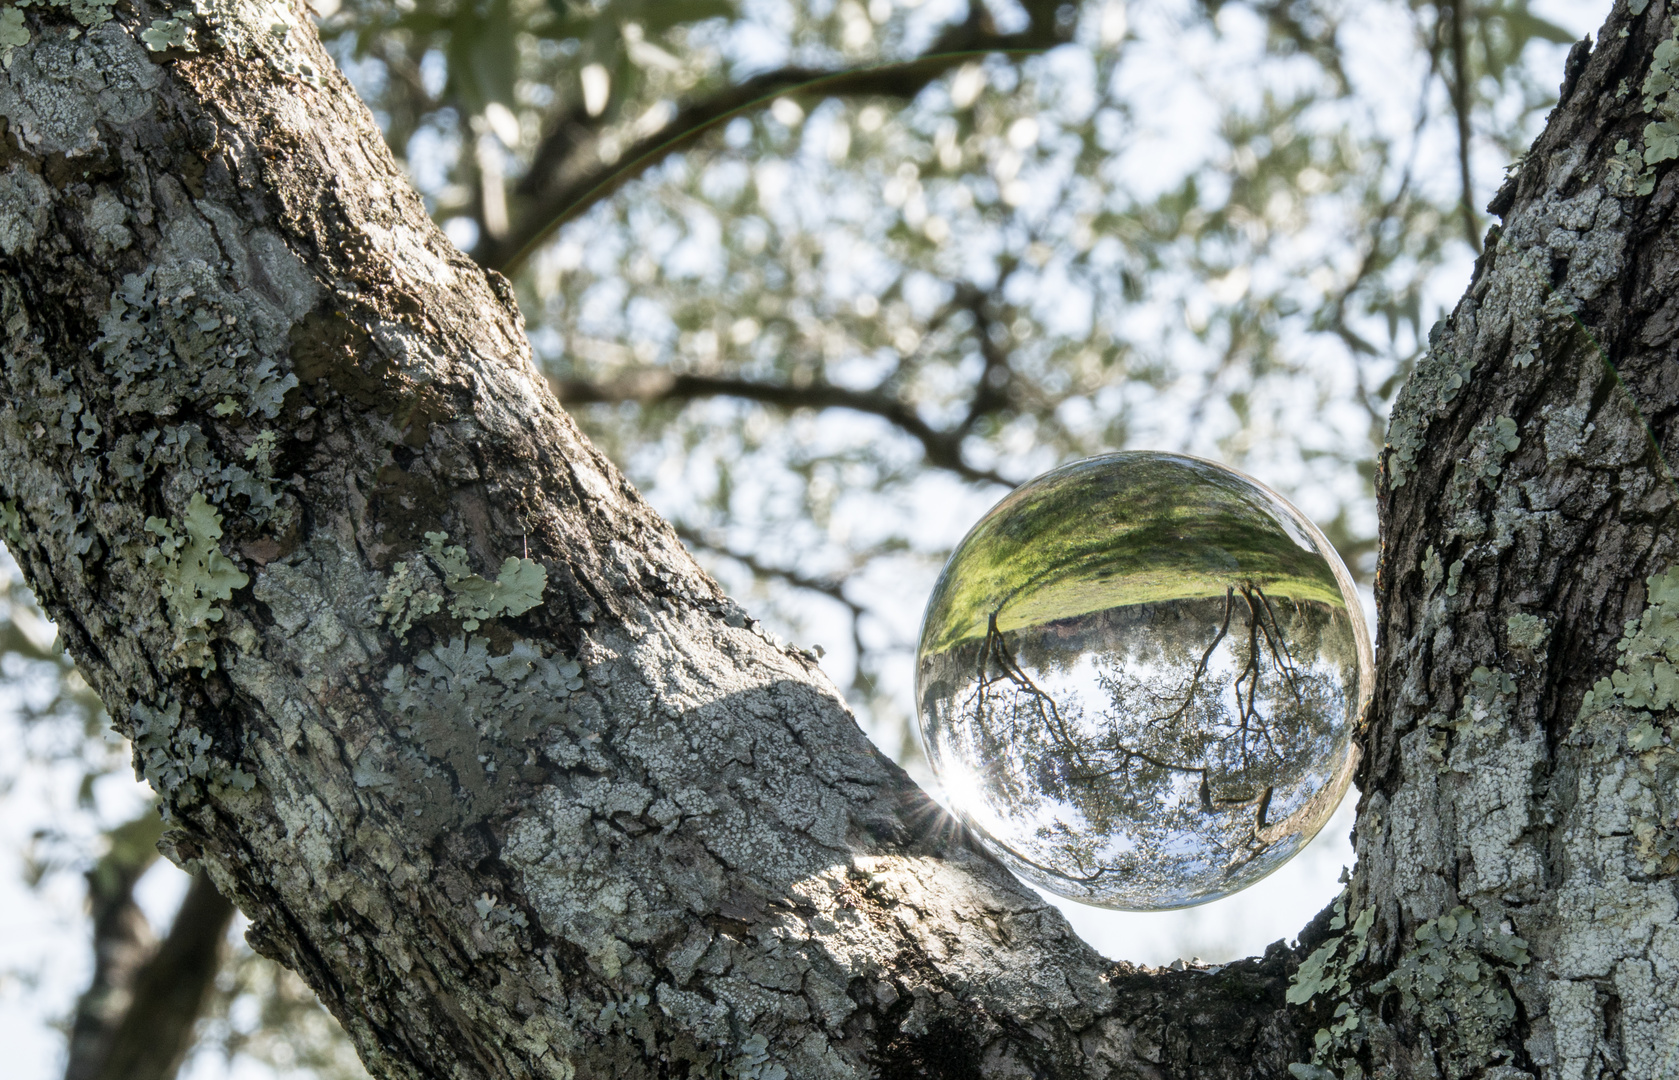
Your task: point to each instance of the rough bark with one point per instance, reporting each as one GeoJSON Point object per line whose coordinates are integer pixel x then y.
{"type": "Point", "coordinates": [1529, 513]}
{"type": "Point", "coordinates": [245, 378]}
{"type": "Point", "coordinates": [315, 529]}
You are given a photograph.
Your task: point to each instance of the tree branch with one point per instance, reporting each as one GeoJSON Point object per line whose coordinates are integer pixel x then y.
{"type": "Point", "coordinates": [832, 588]}
{"type": "Point", "coordinates": [122, 942]}
{"type": "Point", "coordinates": [943, 449]}
{"type": "Point", "coordinates": [167, 995]}
{"type": "Point", "coordinates": [567, 175]}
{"type": "Point", "coordinates": [1461, 105]}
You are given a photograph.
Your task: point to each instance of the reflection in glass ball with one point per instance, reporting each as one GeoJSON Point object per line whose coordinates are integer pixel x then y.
{"type": "Point", "coordinates": [1139, 677]}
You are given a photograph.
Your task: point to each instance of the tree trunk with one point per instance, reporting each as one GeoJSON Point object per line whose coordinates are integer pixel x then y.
{"type": "Point", "coordinates": [1517, 837]}
{"type": "Point", "coordinates": [429, 691]}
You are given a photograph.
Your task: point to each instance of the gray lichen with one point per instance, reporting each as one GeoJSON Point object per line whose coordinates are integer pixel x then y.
{"type": "Point", "coordinates": [262, 28]}
{"type": "Point", "coordinates": [86, 12]}
{"type": "Point", "coordinates": [420, 584]}
{"type": "Point", "coordinates": [1527, 632]}
{"type": "Point", "coordinates": [1328, 972]}
{"type": "Point", "coordinates": [1449, 979]}
{"type": "Point", "coordinates": [174, 757]}
{"type": "Point", "coordinates": [506, 700]}
{"type": "Point", "coordinates": [24, 204]}
{"type": "Point", "coordinates": [167, 319]}
{"type": "Point", "coordinates": [411, 593]}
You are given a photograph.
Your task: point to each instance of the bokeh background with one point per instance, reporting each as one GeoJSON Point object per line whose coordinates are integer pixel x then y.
{"type": "Point", "coordinates": [826, 279]}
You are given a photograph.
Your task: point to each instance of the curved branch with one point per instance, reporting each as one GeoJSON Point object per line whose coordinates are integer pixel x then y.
{"type": "Point", "coordinates": [943, 449]}
{"type": "Point", "coordinates": [599, 831]}
{"type": "Point", "coordinates": [832, 588]}
{"type": "Point", "coordinates": [568, 176]}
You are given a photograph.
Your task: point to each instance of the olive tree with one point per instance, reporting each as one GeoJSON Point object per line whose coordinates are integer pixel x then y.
{"type": "Point", "coordinates": [427, 689]}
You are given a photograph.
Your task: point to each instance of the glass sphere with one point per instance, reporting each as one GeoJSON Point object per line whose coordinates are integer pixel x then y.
{"type": "Point", "coordinates": [1139, 678]}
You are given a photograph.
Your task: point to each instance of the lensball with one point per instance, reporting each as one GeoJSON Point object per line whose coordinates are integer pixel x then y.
{"type": "Point", "coordinates": [1139, 679]}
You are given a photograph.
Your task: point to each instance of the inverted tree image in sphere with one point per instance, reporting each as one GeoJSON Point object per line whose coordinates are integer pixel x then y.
{"type": "Point", "coordinates": [1139, 678]}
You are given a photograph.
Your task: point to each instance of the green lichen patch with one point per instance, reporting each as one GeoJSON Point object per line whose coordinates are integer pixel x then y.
{"type": "Point", "coordinates": [1328, 970]}
{"type": "Point", "coordinates": [13, 32]}
{"type": "Point", "coordinates": [1637, 707]}
{"type": "Point", "coordinates": [261, 452]}
{"type": "Point", "coordinates": [11, 522]}
{"type": "Point", "coordinates": [1527, 632]}
{"type": "Point", "coordinates": [420, 586]}
{"type": "Point", "coordinates": [86, 12]}
{"type": "Point", "coordinates": [1647, 677]}
{"type": "Point", "coordinates": [1631, 171]}
{"type": "Point", "coordinates": [161, 324]}
{"type": "Point", "coordinates": [1626, 174]}
{"type": "Point", "coordinates": [518, 586]}
{"type": "Point", "coordinates": [1433, 569]}
{"type": "Point", "coordinates": [1439, 376]}
{"type": "Point", "coordinates": [1661, 100]}
{"type": "Point", "coordinates": [1483, 714]}
{"type": "Point", "coordinates": [175, 33]}
{"type": "Point", "coordinates": [196, 576]}
{"type": "Point", "coordinates": [1454, 980]}
{"type": "Point", "coordinates": [753, 1062]}
{"type": "Point", "coordinates": [1503, 441]}
{"type": "Point", "coordinates": [411, 594]}
{"type": "Point", "coordinates": [174, 318]}
{"type": "Point", "coordinates": [1328, 973]}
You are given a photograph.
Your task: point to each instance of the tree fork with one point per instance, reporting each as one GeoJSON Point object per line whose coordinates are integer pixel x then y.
{"type": "Point", "coordinates": [423, 684]}
{"type": "Point", "coordinates": [432, 694]}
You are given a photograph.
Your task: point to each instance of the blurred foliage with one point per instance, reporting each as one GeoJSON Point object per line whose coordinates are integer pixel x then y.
{"type": "Point", "coordinates": [826, 278]}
